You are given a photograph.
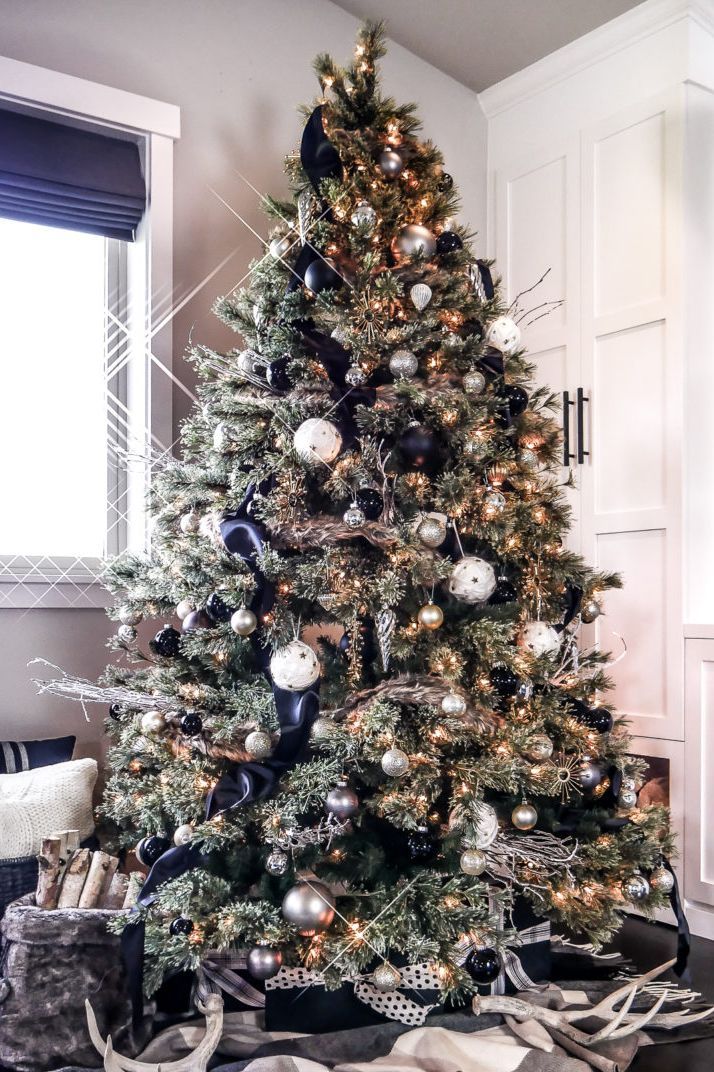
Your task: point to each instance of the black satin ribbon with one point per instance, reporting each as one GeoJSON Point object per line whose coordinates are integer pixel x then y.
{"type": "Point", "coordinates": [320, 160]}
{"type": "Point", "coordinates": [683, 933]}
{"type": "Point", "coordinates": [573, 600]}
{"type": "Point", "coordinates": [486, 279]}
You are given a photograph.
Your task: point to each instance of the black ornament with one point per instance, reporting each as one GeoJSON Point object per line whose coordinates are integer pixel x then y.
{"type": "Point", "coordinates": [505, 681]}
{"type": "Point", "coordinates": [116, 711]}
{"type": "Point", "coordinates": [150, 849]}
{"type": "Point", "coordinates": [445, 183]}
{"type": "Point", "coordinates": [421, 845]}
{"type": "Point", "coordinates": [181, 925]}
{"type": "Point", "coordinates": [517, 399]}
{"type": "Point", "coordinates": [448, 242]}
{"type": "Point", "coordinates": [321, 275]}
{"type": "Point", "coordinates": [370, 503]}
{"type": "Point", "coordinates": [504, 592]}
{"type": "Point", "coordinates": [191, 724]}
{"type": "Point", "coordinates": [197, 619]}
{"type": "Point", "coordinates": [483, 965]}
{"type": "Point", "coordinates": [368, 646]}
{"type": "Point", "coordinates": [277, 374]}
{"type": "Point", "coordinates": [217, 609]}
{"type": "Point", "coordinates": [595, 718]}
{"type": "Point", "coordinates": [167, 642]}
{"type": "Point", "coordinates": [419, 448]}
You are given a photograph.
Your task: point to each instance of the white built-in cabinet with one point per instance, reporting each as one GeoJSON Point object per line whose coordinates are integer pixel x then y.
{"type": "Point", "coordinates": [601, 173]}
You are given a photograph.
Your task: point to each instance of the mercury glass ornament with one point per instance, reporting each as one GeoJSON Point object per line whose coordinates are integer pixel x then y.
{"type": "Point", "coordinates": [243, 621]}
{"type": "Point", "coordinates": [322, 729]}
{"type": "Point", "coordinates": [403, 365]}
{"type": "Point", "coordinates": [355, 376]}
{"type": "Point", "coordinates": [628, 783]}
{"type": "Point", "coordinates": [390, 163]}
{"type": "Point", "coordinates": [413, 239]}
{"type": "Point", "coordinates": [189, 522]}
{"type": "Point", "coordinates": [662, 880]}
{"type": "Point", "coordinates": [485, 826]}
{"type": "Point", "coordinates": [258, 744]}
{"type": "Point", "coordinates": [627, 799]}
{"type": "Point", "coordinates": [635, 888]}
{"type": "Point", "coordinates": [364, 216]}
{"type": "Point", "coordinates": [263, 962]}
{"type": "Point", "coordinates": [431, 531]}
{"type": "Point", "coordinates": [127, 634]}
{"type": "Point", "coordinates": [277, 862]}
{"type": "Point", "coordinates": [153, 722]}
{"type": "Point", "coordinates": [590, 610]}
{"type": "Point", "coordinates": [539, 638]}
{"type": "Point", "coordinates": [453, 704]}
{"type": "Point", "coordinates": [386, 978]}
{"type": "Point", "coordinates": [430, 616]}
{"type": "Point", "coordinates": [183, 834]}
{"type": "Point", "coordinates": [474, 382]}
{"type": "Point", "coordinates": [129, 616]}
{"type": "Point", "coordinates": [184, 608]}
{"type": "Point", "coordinates": [247, 362]}
{"type": "Point", "coordinates": [539, 747]}
{"type": "Point", "coordinates": [295, 667]}
{"type": "Point", "coordinates": [317, 440]}
{"type": "Point", "coordinates": [472, 580]}
{"type": "Point", "coordinates": [524, 816]}
{"type": "Point", "coordinates": [504, 335]}
{"type": "Point", "coordinates": [309, 906]}
{"type": "Point", "coordinates": [472, 862]}
{"type": "Point", "coordinates": [395, 762]}
{"type": "Point", "coordinates": [494, 503]}
{"type": "Point", "coordinates": [353, 517]}
{"type": "Point", "coordinates": [280, 246]}
{"type": "Point", "coordinates": [420, 295]}
{"type": "Point", "coordinates": [342, 801]}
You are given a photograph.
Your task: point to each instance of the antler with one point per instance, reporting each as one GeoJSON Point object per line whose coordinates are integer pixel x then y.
{"type": "Point", "coordinates": [194, 1062]}
{"type": "Point", "coordinates": [618, 1022]}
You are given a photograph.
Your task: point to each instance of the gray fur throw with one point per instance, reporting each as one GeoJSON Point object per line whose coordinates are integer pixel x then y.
{"type": "Point", "coordinates": [49, 963]}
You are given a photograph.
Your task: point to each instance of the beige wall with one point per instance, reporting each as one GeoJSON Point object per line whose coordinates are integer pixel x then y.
{"type": "Point", "coordinates": [238, 69]}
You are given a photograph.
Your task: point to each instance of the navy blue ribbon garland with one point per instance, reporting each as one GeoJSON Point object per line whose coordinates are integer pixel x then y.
{"type": "Point", "coordinates": [683, 933]}
{"type": "Point", "coordinates": [320, 160]}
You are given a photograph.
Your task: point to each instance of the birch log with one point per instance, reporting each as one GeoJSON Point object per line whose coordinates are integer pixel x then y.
{"type": "Point", "coordinates": [48, 877]}
{"type": "Point", "coordinates": [136, 881]}
{"type": "Point", "coordinates": [96, 877]}
{"type": "Point", "coordinates": [114, 896]}
{"type": "Point", "coordinates": [74, 878]}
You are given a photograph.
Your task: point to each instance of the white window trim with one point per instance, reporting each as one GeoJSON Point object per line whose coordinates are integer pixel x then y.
{"type": "Point", "coordinates": [156, 125]}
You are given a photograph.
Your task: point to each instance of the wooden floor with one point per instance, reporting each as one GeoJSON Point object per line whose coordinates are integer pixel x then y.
{"type": "Point", "coordinates": [649, 944]}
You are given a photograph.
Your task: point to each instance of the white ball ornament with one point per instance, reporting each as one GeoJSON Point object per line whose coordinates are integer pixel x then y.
{"type": "Point", "coordinates": [189, 522]}
{"type": "Point", "coordinates": [453, 704]}
{"type": "Point", "coordinates": [243, 621]}
{"type": "Point", "coordinates": [485, 827]}
{"type": "Point", "coordinates": [472, 580]}
{"type": "Point", "coordinates": [153, 722]}
{"type": "Point", "coordinates": [317, 440]}
{"type": "Point", "coordinates": [539, 638]}
{"type": "Point", "coordinates": [183, 609]}
{"type": "Point", "coordinates": [395, 762]}
{"type": "Point", "coordinates": [183, 834]}
{"type": "Point", "coordinates": [280, 246]}
{"type": "Point", "coordinates": [504, 335]}
{"type": "Point", "coordinates": [295, 667]}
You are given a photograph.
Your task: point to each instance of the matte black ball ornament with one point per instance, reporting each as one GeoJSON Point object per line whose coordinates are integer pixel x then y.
{"type": "Point", "coordinates": [181, 926]}
{"type": "Point", "coordinates": [483, 965]}
{"type": "Point", "coordinates": [277, 373]}
{"type": "Point", "coordinates": [419, 447]}
{"type": "Point", "coordinates": [217, 609]}
{"type": "Point", "coordinates": [448, 242]}
{"type": "Point", "coordinates": [150, 849]}
{"type": "Point", "coordinates": [166, 643]}
{"type": "Point", "coordinates": [191, 724]}
{"type": "Point", "coordinates": [370, 502]}
{"type": "Point", "coordinates": [421, 845]}
{"type": "Point", "coordinates": [322, 275]}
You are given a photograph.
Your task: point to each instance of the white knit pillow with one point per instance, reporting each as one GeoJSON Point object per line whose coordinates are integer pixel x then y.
{"type": "Point", "coordinates": [36, 803]}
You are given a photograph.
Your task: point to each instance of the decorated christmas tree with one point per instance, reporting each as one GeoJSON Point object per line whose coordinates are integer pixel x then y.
{"type": "Point", "coordinates": [370, 726]}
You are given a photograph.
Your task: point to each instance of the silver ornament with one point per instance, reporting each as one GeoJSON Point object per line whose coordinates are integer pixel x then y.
{"type": "Point", "coordinates": [184, 608]}
{"type": "Point", "coordinates": [539, 638]}
{"type": "Point", "coordinates": [183, 834]}
{"type": "Point", "coordinates": [126, 633]}
{"type": "Point", "coordinates": [413, 240]}
{"type": "Point", "coordinates": [627, 799]}
{"type": "Point", "coordinates": [309, 906]}
{"type": "Point", "coordinates": [431, 531]}
{"type": "Point", "coordinates": [524, 816]}
{"type": "Point", "coordinates": [342, 801]}
{"type": "Point", "coordinates": [364, 216]}
{"type": "Point", "coordinates": [589, 775]}
{"type": "Point", "coordinates": [295, 667]}
{"type": "Point", "coordinates": [485, 826]}
{"type": "Point", "coordinates": [243, 621]}
{"type": "Point", "coordinates": [504, 335]}
{"type": "Point", "coordinates": [386, 622]}
{"type": "Point", "coordinates": [153, 722]}
{"type": "Point", "coordinates": [629, 783]}
{"type": "Point", "coordinates": [280, 246]}
{"type": "Point", "coordinates": [386, 978]}
{"type": "Point", "coordinates": [539, 747]}
{"type": "Point", "coordinates": [277, 862]}
{"type": "Point", "coordinates": [355, 376]}
{"type": "Point", "coordinates": [322, 729]}
{"type": "Point", "coordinates": [453, 704]}
{"type": "Point", "coordinates": [430, 616]}
{"type": "Point", "coordinates": [317, 440]}
{"type": "Point", "coordinates": [472, 580]}
{"type": "Point", "coordinates": [263, 961]}
{"type": "Point", "coordinates": [403, 364]}
{"type": "Point", "coordinates": [662, 880]}
{"type": "Point", "coordinates": [494, 503]}
{"type": "Point", "coordinates": [635, 888]}
{"type": "Point", "coordinates": [590, 610]}
{"type": "Point", "coordinates": [530, 458]}
{"type": "Point", "coordinates": [474, 382]}
{"type": "Point", "coordinates": [472, 862]}
{"type": "Point", "coordinates": [258, 744]}
{"type": "Point", "coordinates": [189, 522]}
{"type": "Point", "coordinates": [248, 362]}
{"type": "Point", "coordinates": [353, 517]}
{"type": "Point", "coordinates": [395, 762]}
{"type": "Point", "coordinates": [524, 690]}
{"type": "Point", "coordinates": [420, 295]}
{"type": "Point", "coordinates": [129, 616]}
{"type": "Point", "coordinates": [390, 163]}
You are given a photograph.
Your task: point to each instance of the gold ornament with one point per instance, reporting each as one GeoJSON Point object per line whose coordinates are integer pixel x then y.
{"type": "Point", "coordinates": [430, 616]}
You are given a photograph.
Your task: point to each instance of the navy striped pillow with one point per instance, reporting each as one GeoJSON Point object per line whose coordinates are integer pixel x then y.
{"type": "Point", "coordinates": [18, 756]}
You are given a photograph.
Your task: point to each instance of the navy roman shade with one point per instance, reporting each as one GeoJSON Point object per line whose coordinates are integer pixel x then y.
{"type": "Point", "coordinates": [62, 176]}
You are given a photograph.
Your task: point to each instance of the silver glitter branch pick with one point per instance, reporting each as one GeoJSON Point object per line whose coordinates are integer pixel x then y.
{"type": "Point", "coordinates": [386, 623]}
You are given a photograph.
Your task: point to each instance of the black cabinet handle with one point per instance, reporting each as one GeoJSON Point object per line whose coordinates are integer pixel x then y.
{"type": "Point", "coordinates": [582, 453]}
{"type": "Point", "coordinates": [567, 403]}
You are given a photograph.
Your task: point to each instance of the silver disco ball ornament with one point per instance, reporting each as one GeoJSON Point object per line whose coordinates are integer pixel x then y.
{"type": "Point", "coordinates": [635, 888]}
{"type": "Point", "coordinates": [524, 816]}
{"type": "Point", "coordinates": [355, 376]}
{"type": "Point", "coordinates": [309, 906]}
{"type": "Point", "coordinates": [403, 365]}
{"type": "Point", "coordinates": [243, 621]}
{"type": "Point", "coordinates": [353, 517]}
{"type": "Point", "coordinates": [386, 977]}
{"type": "Point", "coordinates": [277, 862]}
{"type": "Point", "coordinates": [431, 530]}
{"type": "Point", "coordinates": [627, 799]}
{"type": "Point", "coordinates": [390, 163]}
{"type": "Point", "coordinates": [258, 744]}
{"type": "Point", "coordinates": [342, 801]}
{"type": "Point", "coordinates": [474, 382]}
{"type": "Point", "coordinates": [395, 762]}
{"type": "Point", "coordinates": [412, 240]}
{"type": "Point", "coordinates": [364, 216]}
{"type": "Point", "coordinates": [295, 667]}
{"type": "Point", "coordinates": [453, 704]}
{"type": "Point", "coordinates": [127, 634]}
{"type": "Point", "coordinates": [472, 580]}
{"type": "Point", "coordinates": [183, 834]}
{"type": "Point", "coordinates": [263, 962]}
{"type": "Point", "coordinates": [472, 862]}
{"type": "Point", "coordinates": [662, 880]}
{"type": "Point", "coordinates": [494, 503]}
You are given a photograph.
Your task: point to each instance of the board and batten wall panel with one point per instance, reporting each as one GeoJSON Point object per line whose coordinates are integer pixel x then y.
{"type": "Point", "coordinates": [699, 784]}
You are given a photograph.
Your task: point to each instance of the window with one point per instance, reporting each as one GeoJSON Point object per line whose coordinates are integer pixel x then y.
{"type": "Point", "coordinates": [85, 366]}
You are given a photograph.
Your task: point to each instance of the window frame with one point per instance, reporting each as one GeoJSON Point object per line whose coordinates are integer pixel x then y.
{"type": "Point", "coordinates": [141, 269]}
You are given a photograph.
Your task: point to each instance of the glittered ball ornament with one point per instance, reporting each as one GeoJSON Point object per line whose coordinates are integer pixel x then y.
{"type": "Point", "coordinates": [524, 816]}
{"type": "Point", "coordinates": [295, 667]}
{"type": "Point", "coordinates": [309, 906]}
{"type": "Point", "coordinates": [390, 163]}
{"type": "Point", "coordinates": [364, 216]}
{"type": "Point", "coordinates": [196, 619]}
{"type": "Point", "coordinates": [420, 295]}
{"type": "Point", "coordinates": [355, 376]}
{"type": "Point", "coordinates": [166, 643]}
{"type": "Point", "coordinates": [127, 634]}
{"type": "Point", "coordinates": [183, 834]}
{"type": "Point", "coordinates": [635, 888]}
{"type": "Point", "coordinates": [150, 849]}
{"type": "Point", "coordinates": [153, 722]}
{"type": "Point", "coordinates": [539, 747]}
{"type": "Point", "coordinates": [539, 639]}
{"type": "Point", "coordinates": [277, 374]}
{"type": "Point", "coordinates": [353, 517]}
{"type": "Point", "coordinates": [277, 863]}
{"type": "Point", "coordinates": [322, 729]}
{"type": "Point", "coordinates": [504, 592]}
{"type": "Point", "coordinates": [317, 440]}
{"type": "Point", "coordinates": [419, 447]}
{"type": "Point", "coordinates": [590, 610]}
{"type": "Point", "coordinates": [217, 609]}
{"type": "Point", "coordinates": [181, 927]}
{"type": "Point", "coordinates": [430, 616]}
{"type": "Point", "coordinates": [448, 242]}
{"type": "Point", "coordinates": [258, 744]}
{"type": "Point", "coordinates": [191, 724]}
{"type": "Point", "coordinates": [661, 880]}
{"type": "Point", "coordinates": [472, 862]}
{"type": "Point", "coordinates": [386, 977]}
{"type": "Point", "coordinates": [263, 961]}
{"type": "Point", "coordinates": [504, 335]}
{"type": "Point", "coordinates": [627, 799]}
{"type": "Point", "coordinates": [395, 762]}
{"type": "Point", "coordinates": [483, 965]}
{"type": "Point", "coordinates": [431, 530]}
{"type": "Point", "coordinates": [474, 382]}
{"type": "Point", "coordinates": [453, 704]}
{"type": "Point", "coordinates": [370, 502]}
{"type": "Point", "coordinates": [403, 365]}
{"type": "Point", "coordinates": [189, 522]}
{"type": "Point", "coordinates": [243, 621]}
{"type": "Point", "coordinates": [129, 616]}
{"type": "Point", "coordinates": [472, 580]}
{"type": "Point", "coordinates": [322, 274]}
{"type": "Point", "coordinates": [279, 246]}
{"type": "Point", "coordinates": [413, 240]}
{"type": "Point", "coordinates": [342, 802]}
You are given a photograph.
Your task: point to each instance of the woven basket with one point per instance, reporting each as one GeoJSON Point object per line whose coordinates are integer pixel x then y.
{"type": "Point", "coordinates": [17, 877]}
